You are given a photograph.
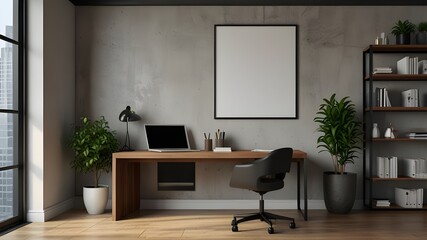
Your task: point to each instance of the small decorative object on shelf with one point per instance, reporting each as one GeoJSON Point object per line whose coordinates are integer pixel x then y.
{"type": "Point", "coordinates": [388, 132]}
{"type": "Point", "coordinates": [375, 131]}
{"type": "Point", "coordinates": [382, 40]}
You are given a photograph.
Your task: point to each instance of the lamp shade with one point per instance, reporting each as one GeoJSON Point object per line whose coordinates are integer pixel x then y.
{"type": "Point", "coordinates": [128, 115]}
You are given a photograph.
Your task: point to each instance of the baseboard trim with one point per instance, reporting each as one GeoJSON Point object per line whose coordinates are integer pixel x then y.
{"type": "Point", "coordinates": [170, 204]}
{"type": "Point", "coordinates": [225, 204]}
{"type": "Point", "coordinates": [50, 212]}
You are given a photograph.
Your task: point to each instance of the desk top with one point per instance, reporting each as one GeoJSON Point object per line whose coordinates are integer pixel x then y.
{"type": "Point", "coordinates": [241, 154]}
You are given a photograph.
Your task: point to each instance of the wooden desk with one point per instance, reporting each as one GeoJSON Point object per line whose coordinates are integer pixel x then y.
{"type": "Point", "coordinates": [126, 174]}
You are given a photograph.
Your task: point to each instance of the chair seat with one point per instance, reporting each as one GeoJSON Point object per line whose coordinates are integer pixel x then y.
{"type": "Point", "coordinates": [268, 184]}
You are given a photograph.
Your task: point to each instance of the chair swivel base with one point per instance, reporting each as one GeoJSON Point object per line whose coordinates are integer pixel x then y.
{"type": "Point", "coordinates": [263, 216]}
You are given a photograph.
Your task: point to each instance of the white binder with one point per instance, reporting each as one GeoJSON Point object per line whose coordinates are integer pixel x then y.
{"type": "Point", "coordinates": [420, 198]}
{"type": "Point", "coordinates": [380, 167]}
{"type": "Point", "coordinates": [401, 197]}
{"type": "Point", "coordinates": [407, 167]}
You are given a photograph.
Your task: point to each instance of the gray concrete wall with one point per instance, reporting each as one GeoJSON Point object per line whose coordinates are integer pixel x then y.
{"type": "Point", "coordinates": [160, 61]}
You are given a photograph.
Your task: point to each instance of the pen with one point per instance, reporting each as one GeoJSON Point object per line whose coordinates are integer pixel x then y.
{"type": "Point", "coordinates": [205, 135]}
{"type": "Point", "coordinates": [209, 136]}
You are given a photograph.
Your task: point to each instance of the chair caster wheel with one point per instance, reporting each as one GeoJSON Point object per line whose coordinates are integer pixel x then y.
{"type": "Point", "coordinates": [270, 230]}
{"type": "Point", "coordinates": [234, 228]}
{"type": "Point", "coordinates": [234, 222]}
{"type": "Point", "coordinates": [292, 225]}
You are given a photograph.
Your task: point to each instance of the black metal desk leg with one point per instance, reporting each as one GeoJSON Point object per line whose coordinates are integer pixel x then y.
{"type": "Point", "coordinates": [305, 191]}
{"type": "Point", "coordinates": [303, 212]}
{"type": "Point", "coordinates": [298, 187]}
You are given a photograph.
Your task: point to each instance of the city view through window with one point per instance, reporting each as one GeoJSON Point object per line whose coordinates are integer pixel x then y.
{"type": "Point", "coordinates": [6, 128]}
{"type": "Point", "coordinates": [11, 122]}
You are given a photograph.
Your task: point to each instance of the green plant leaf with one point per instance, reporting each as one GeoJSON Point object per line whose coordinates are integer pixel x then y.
{"type": "Point", "coordinates": [340, 129]}
{"type": "Point", "coordinates": [93, 144]}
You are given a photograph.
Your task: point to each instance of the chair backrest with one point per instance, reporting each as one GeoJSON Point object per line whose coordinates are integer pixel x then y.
{"type": "Point", "coordinates": [278, 163]}
{"type": "Point", "coordinates": [265, 174]}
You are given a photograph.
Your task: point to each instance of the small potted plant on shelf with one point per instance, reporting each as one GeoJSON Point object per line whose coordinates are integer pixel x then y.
{"type": "Point", "coordinates": [341, 134]}
{"type": "Point", "coordinates": [93, 144]}
{"type": "Point", "coordinates": [421, 36]}
{"type": "Point", "coordinates": [402, 31]}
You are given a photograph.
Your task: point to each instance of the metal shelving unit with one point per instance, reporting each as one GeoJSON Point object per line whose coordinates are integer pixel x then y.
{"type": "Point", "coordinates": [370, 108]}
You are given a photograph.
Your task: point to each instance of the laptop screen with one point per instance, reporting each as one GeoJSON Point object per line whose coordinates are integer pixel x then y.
{"type": "Point", "coordinates": [166, 136]}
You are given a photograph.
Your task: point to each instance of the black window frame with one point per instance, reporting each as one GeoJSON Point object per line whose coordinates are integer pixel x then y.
{"type": "Point", "coordinates": [20, 166]}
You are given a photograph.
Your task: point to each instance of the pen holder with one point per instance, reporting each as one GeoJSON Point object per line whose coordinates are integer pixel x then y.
{"type": "Point", "coordinates": [219, 142]}
{"type": "Point", "coordinates": [208, 145]}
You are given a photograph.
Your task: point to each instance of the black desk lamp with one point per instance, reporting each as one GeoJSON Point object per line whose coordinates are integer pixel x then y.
{"type": "Point", "coordinates": [128, 116]}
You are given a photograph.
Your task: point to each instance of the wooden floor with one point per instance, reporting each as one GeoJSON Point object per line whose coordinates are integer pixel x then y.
{"type": "Point", "coordinates": [195, 224]}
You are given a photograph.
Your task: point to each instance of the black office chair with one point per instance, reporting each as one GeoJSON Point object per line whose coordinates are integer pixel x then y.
{"type": "Point", "coordinates": [262, 176]}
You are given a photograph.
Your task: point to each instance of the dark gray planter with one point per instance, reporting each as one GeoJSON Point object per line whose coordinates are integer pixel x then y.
{"type": "Point", "coordinates": [421, 38]}
{"type": "Point", "coordinates": [339, 191]}
{"type": "Point", "coordinates": [403, 39]}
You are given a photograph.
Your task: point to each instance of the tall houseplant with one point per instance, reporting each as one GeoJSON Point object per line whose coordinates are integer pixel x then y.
{"type": "Point", "coordinates": [340, 137]}
{"type": "Point", "coordinates": [94, 143]}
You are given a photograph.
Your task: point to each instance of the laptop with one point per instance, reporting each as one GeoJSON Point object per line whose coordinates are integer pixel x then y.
{"type": "Point", "coordinates": [167, 138]}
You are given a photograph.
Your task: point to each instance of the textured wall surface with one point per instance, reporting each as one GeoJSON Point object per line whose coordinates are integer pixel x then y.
{"type": "Point", "coordinates": [50, 114]}
{"type": "Point", "coordinates": [160, 61]}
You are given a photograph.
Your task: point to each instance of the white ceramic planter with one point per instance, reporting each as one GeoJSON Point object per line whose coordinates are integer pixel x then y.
{"type": "Point", "coordinates": [95, 199]}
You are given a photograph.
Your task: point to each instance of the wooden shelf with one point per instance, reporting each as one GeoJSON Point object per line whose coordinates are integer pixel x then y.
{"type": "Point", "coordinates": [395, 207]}
{"type": "Point", "coordinates": [396, 49]}
{"type": "Point", "coordinates": [403, 139]}
{"type": "Point", "coordinates": [397, 77]}
{"type": "Point", "coordinates": [397, 109]}
{"type": "Point", "coordinates": [400, 178]}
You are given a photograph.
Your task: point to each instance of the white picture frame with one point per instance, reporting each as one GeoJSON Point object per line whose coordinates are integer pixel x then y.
{"type": "Point", "coordinates": [255, 72]}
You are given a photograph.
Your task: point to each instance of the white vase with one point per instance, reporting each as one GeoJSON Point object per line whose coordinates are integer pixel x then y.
{"type": "Point", "coordinates": [95, 199]}
{"type": "Point", "coordinates": [375, 131]}
{"type": "Point", "coordinates": [387, 133]}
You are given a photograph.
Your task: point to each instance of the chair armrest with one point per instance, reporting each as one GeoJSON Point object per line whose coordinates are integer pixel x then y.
{"type": "Point", "coordinates": [245, 176]}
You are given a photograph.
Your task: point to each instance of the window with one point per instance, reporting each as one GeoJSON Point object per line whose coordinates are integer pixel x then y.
{"type": "Point", "coordinates": [11, 112]}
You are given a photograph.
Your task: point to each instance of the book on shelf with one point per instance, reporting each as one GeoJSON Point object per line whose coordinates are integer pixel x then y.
{"type": "Point", "coordinates": [382, 70]}
{"type": "Point", "coordinates": [222, 149]}
{"type": "Point", "coordinates": [407, 65]}
{"type": "Point", "coordinates": [417, 135]}
{"type": "Point", "coordinates": [382, 97]}
{"type": "Point", "coordinates": [409, 198]}
{"type": "Point", "coordinates": [410, 98]}
{"type": "Point", "coordinates": [382, 203]}
{"type": "Point", "coordinates": [387, 167]}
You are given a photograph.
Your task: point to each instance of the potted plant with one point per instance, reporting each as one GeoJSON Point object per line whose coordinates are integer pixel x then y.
{"type": "Point", "coordinates": [402, 31]}
{"type": "Point", "coordinates": [340, 137]}
{"type": "Point", "coordinates": [421, 36]}
{"type": "Point", "coordinates": [94, 144]}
